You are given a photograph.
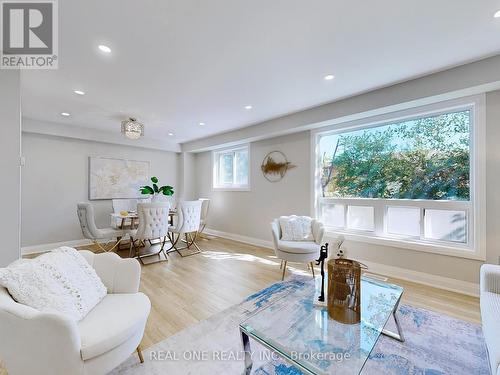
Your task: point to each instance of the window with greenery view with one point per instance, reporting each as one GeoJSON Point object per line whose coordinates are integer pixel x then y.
{"type": "Point", "coordinates": [423, 158]}
{"type": "Point", "coordinates": [406, 179]}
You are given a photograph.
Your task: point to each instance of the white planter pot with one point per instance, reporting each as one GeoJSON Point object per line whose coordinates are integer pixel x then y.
{"type": "Point", "coordinates": [158, 198]}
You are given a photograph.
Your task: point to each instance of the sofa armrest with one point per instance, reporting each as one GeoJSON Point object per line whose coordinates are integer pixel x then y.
{"type": "Point", "coordinates": [37, 343]}
{"type": "Point", "coordinates": [318, 231]}
{"type": "Point", "coordinates": [117, 274]}
{"type": "Point", "coordinates": [490, 278]}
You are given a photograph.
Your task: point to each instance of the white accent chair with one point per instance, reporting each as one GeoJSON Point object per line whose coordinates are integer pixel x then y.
{"type": "Point", "coordinates": [90, 231]}
{"type": "Point", "coordinates": [297, 251]}
{"type": "Point", "coordinates": [187, 224]}
{"type": "Point", "coordinates": [32, 342]}
{"type": "Point", "coordinates": [490, 313]}
{"type": "Point", "coordinates": [205, 205]}
{"type": "Point", "coordinates": [153, 224]}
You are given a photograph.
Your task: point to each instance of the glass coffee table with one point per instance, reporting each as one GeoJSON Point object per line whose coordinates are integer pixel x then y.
{"type": "Point", "coordinates": [306, 337]}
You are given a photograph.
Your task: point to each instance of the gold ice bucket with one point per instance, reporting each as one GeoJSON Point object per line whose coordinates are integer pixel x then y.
{"type": "Point", "coordinates": [344, 290]}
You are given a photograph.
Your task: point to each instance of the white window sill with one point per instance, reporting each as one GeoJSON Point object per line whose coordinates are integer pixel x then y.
{"type": "Point", "coordinates": [408, 244]}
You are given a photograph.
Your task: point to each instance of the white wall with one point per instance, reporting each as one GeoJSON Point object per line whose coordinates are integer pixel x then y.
{"type": "Point", "coordinates": [10, 151]}
{"type": "Point", "coordinates": [186, 176]}
{"type": "Point", "coordinates": [249, 213]}
{"type": "Point", "coordinates": [55, 178]}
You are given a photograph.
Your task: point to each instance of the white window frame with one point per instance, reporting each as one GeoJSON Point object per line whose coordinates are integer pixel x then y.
{"type": "Point", "coordinates": [215, 168]}
{"type": "Point", "coordinates": [475, 209]}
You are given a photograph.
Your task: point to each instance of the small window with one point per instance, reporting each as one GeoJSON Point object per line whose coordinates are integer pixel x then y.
{"type": "Point", "coordinates": [334, 215]}
{"type": "Point", "coordinates": [360, 218]}
{"type": "Point", "coordinates": [403, 221]}
{"type": "Point", "coordinates": [446, 225]}
{"type": "Point", "coordinates": [231, 169]}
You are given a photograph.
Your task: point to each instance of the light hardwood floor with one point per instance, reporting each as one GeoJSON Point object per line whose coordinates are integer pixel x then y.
{"type": "Point", "coordinates": [184, 291]}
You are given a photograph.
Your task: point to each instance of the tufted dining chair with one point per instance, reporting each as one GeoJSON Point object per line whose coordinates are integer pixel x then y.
{"type": "Point", "coordinates": [153, 224]}
{"type": "Point", "coordinates": [85, 212]}
{"type": "Point", "coordinates": [129, 205]}
{"type": "Point", "coordinates": [205, 205]}
{"type": "Point", "coordinates": [188, 224]}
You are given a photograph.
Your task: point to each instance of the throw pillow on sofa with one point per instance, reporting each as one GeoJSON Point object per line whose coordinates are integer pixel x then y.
{"type": "Point", "coordinates": [60, 281]}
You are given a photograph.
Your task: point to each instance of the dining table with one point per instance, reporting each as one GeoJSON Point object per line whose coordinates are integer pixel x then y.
{"type": "Point", "coordinates": [133, 217]}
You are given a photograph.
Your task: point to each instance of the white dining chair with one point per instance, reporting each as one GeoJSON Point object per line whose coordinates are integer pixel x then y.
{"type": "Point", "coordinates": [85, 212]}
{"type": "Point", "coordinates": [153, 224]}
{"type": "Point", "coordinates": [205, 205]}
{"type": "Point", "coordinates": [297, 251]}
{"type": "Point", "coordinates": [119, 205]}
{"type": "Point", "coordinates": [187, 225]}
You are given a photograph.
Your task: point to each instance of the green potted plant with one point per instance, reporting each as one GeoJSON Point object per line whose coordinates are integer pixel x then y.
{"type": "Point", "coordinates": [155, 191]}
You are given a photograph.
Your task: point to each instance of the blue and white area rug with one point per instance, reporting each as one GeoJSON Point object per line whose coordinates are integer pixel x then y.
{"type": "Point", "coordinates": [435, 344]}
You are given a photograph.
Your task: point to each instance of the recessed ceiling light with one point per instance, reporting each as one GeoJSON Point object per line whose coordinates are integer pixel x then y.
{"type": "Point", "coordinates": [170, 134]}
{"type": "Point", "coordinates": [248, 107]}
{"type": "Point", "coordinates": [497, 14]}
{"type": "Point", "coordinates": [104, 48]}
{"type": "Point", "coordinates": [65, 114]}
{"type": "Point", "coordinates": [329, 77]}
{"type": "Point", "coordinates": [79, 92]}
{"type": "Point", "coordinates": [202, 124]}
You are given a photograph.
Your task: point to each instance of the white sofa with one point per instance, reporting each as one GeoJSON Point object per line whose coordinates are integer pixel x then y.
{"type": "Point", "coordinates": [32, 342]}
{"type": "Point", "coordinates": [490, 313]}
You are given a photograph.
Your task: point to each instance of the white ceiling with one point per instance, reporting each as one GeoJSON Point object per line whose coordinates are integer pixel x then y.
{"type": "Point", "coordinates": [177, 63]}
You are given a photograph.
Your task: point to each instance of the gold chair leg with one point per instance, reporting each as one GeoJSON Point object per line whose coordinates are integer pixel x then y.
{"type": "Point", "coordinates": [193, 240]}
{"type": "Point", "coordinates": [201, 234]}
{"type": "Point", "coordinates": [139, 353]}
{"type": "Point", "coordinates": [103, 248]}
{"type": "Point", "coordinates": [134, 249]}
{"type": "Point", "coordinates": [284, 270]}
{"type": "Point", "coordinates": [189, 240]}
{"type": "Point", "coordinates": [312, 268]}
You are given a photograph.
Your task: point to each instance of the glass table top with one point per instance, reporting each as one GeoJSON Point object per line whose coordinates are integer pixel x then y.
{"type": "Point", "coordinates": [305, 335]}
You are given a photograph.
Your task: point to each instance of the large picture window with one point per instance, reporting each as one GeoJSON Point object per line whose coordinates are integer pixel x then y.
{"type": "Point", "coordinates": [410, 179]}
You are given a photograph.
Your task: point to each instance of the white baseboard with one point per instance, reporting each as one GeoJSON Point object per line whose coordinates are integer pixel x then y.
{"type": "Point", "coordinates": [36, 249]}
{"type": "Point", "coordinates": [238, 237]}
{"type": "Point", "coordinates": [440, 282]}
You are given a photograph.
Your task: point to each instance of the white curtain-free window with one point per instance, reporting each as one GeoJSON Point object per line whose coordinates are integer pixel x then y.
{"type": "Point", "coordinates": [231, 169]}
{"type": "Point", "coordinates": [413, 180]}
